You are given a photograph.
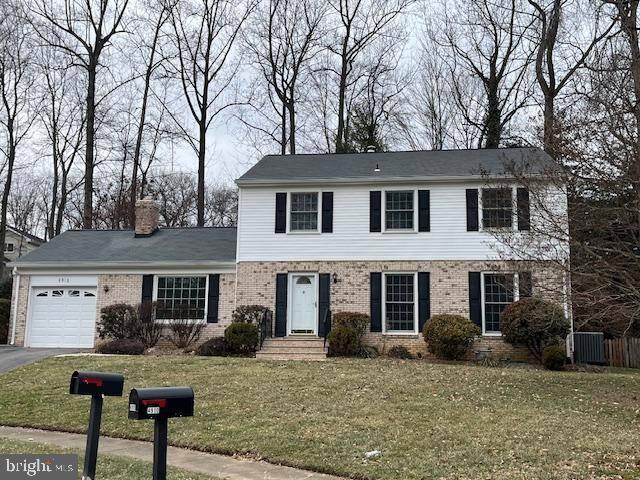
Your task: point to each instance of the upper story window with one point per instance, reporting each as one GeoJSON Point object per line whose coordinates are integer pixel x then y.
{"type": "Point", "coordinates": [181, 296]}
{"type": "Point", "coordinates": [399, 210]}
{"type": "Point", "coordinates": [497, 208]}
{"type": "Point", "coordinates": [499, 291]}
{"type": "Point", "coordinates": [9, 247]}
{"type": "Point", "coordinates": [304, 212]}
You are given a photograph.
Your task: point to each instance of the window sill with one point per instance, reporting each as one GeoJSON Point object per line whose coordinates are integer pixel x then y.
{"type": "Point", "coordinates": [401, 334]}
{"type": "Point", "coordinates": [305, 232]}
{"type": "Point", "coordinates": [492, 334]}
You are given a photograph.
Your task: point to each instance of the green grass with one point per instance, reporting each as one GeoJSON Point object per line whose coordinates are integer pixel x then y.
{"type": "Point", "coordinates": [108, 467]}
{"type": "Point", "coordinates": [429, 421]}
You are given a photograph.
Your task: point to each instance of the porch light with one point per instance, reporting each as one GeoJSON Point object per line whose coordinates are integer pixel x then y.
{"type": "Point", "coordinates": [377, 169]}
{"type": "Point", "coordinates": [335, 278]}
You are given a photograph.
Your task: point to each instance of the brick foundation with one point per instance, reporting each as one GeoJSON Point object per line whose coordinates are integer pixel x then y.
{"type": "Point", "coordinates": [449, 293]}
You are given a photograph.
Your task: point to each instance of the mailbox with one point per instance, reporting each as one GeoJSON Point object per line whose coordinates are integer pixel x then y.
{"type": "Point", "coordinates": [154, 403]}
{"type": "Point", "coordinates": [96, 383]}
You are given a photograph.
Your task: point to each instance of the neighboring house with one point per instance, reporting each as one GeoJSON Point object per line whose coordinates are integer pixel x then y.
{"type": "Point", "coordinates": [400, 236]}
{"type": "Point", "coordinates": [18, 243]}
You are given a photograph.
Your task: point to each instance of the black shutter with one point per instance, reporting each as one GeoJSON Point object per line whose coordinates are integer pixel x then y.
{"type": "Point", "coordinates": [525, 284]}
{"type": "Point", "coordinates": [524, 216]}
{"type": "Point", "coordinates": [475, 299]}
{"type": "Point", "coordinates": [424, 220]}
{"type": "Point", "coordinates": [147, 288]}
{"type": "Point", "coordinates": [376, 301]}
{"type": "Point", "coordinates": [327, 212]}
{"type": "Point", "coordinates": [281, 305]}
{"type": "Point", "coordinates": [323, 301]}
{"type": "Point", "coordinates": [375, 211]}
{"type": "Point", "coordinates": [424, 299]}
{"type": "Point", "coordinates": [472, 210]}
{"type": "Point", "coordinates": [281, 212]}
{"type": "Point", "coordinates": [213, 298]}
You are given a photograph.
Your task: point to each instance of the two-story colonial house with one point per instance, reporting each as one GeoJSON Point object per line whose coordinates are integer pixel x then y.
{"type": "Point", "coordinates": [400, 236]}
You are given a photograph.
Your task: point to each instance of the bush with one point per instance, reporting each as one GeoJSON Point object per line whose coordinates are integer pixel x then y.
{"type": "Point", "coordinates": [553, 357]}
{"type": "Point", "coordinates": [359, 322]}
{"type": "Point", "coordinates": [216, 347]}
{"type": "Point", "coordinates": [183, 329]}
{"type": "Point", "coordinates": [117, 322]}
{"type": "Point", "coordinates": [249, 314]}
{"type": "Point", "coordinates": [343, 342]}
{"type": "Point", "coordinates": [5, 312]}
{"type": "Point", "coordinates": [449, 336]}
{"type": "Point", "coordinates": [534, 323]}
{"type": "Point", "coordinates": [399, 351]}
{"type": "Point", "coordinates": [368, 351]}
{"type": "Point", "coordinates": [124, 346]}
{"type": "Point", "coordinates": [241, 338]}
{"type": "Point", "coordinates": [146, 328]}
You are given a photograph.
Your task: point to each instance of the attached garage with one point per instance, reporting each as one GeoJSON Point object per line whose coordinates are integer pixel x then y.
{"type": "Point", "coordinates": [62, 316]}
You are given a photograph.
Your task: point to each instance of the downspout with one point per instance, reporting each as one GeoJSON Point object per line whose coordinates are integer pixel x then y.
{"type": "Point", "coordinates": [16, 294]}
{"type": "Point", "coordinates": [567, 312]}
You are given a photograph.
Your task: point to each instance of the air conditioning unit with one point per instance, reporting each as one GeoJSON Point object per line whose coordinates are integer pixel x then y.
{"type": "Point", "coordinates": [588, 347]}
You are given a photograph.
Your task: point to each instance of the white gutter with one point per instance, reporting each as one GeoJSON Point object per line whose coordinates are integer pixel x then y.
{"type": "Point", "coordinates": [16, 291]}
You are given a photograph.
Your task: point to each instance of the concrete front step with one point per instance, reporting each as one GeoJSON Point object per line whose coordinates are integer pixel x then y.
{"type": "Point", "coordinates": [294, 343]}
{"type": "Point", "coordinates": [317, 357]}
{"type": "Point", "coordinates": [293, 348]}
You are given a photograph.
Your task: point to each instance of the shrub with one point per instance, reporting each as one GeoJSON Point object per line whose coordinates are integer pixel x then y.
{"type": "Point", "coordinates": [399, 351]}
{"type": "Point", "coordinates": [359, 322]}
{"type": "Point", "coordinates": [343, 342]}
{"type": "Point", "coordinates": [146, 328]}
{"type": "Point", "coordinates": [241, 338]}
{"type": "Point", "coordinates": [368, 351]}
{"type": "Point", "coordinates": [215, 347]}
{"type": "Point", "coordinates": [249, 314]}
{"type": "Point", "coordinates": [183, 329]}
{"type": "Point", "coordinates": [449, 336]}
{"type": "Point", "coordinates": [5, 311]}
{"type": "Point", "coordinates": [123, 346]}
{"type": "Point", "coordinates": [117, 322]}
{"type": "Point", "coordinates": [534, 323]}
{"type": "Point", "coordinates": [553, 357]}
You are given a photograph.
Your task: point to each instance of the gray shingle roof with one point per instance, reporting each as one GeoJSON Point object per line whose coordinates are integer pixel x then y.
{"type": "Point", "coordinates": [359, 167]}
{"type": "Point", "coordinates": [167, 246]}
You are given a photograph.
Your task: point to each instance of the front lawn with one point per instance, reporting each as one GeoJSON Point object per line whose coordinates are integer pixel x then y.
{"type": "Point", "coordinates": [108, 467]}
{"type": "Point", "coordinates": [429, 421]}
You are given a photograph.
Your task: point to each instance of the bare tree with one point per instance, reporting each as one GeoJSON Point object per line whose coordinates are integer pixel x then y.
{"type": "Point", "coordinates": [487, 39]}
{"type": "Point", "coordinates": [176, 194]}
{"type": "Point", "coordinates": [282, 40]}
{"type": "Point", "coordinates": [559, 55]}
{"type": "Point", "coordinates": [222, 206]}
{"type": "Point", "coordinates": [205, 32]}
{"type": "Point", "coordinates": [84, 30]}
{"type": "Point", "coordinates": [16, 112]}
{"type": "Point", "coordinates": [153, 59]}
{"type": "Point", "coordinates": [360, 23]}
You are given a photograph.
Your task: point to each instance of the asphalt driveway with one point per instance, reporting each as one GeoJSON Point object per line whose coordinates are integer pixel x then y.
{"type": "Point", "coordinates": [13, 357]}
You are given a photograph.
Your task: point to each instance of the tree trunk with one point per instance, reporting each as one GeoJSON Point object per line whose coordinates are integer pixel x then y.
{"type": "Point", "coordinates": [292, 126]}
{"type": "Point", "coordinates": [5, 193]}
{"type": "Point", "coordinates": [202, 151]}
{"type": "Point", "coordinates": [342, 93]}
{"type": "Point", "coordinates": [493, 123]}
{"type": "Point", "coordinates": [87, 213]}
{"type": "Point", "coordinates": [549, 125]}
{"type": "Point", "coordinates": [283, 138]}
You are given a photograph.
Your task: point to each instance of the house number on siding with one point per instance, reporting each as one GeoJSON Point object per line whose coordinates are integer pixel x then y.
{"type": "Point", "coordinates": [63, 280]}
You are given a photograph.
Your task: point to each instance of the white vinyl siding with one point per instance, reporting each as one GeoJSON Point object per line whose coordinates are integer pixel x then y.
{"type": "Point", "coordinates": [351, 238]}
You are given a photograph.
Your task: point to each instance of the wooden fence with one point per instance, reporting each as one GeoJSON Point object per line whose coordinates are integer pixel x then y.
{"type": "Point", "coordinates": [623, 352]}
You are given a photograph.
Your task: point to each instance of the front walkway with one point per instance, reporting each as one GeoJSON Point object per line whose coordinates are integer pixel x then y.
{"type": "Point", "coordinates": [198, 462]}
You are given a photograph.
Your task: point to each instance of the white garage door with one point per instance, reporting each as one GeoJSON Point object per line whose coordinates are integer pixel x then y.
{"type": "Point", "coordinates": [63, 317]}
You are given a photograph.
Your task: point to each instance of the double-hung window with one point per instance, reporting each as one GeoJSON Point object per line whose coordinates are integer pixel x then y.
{"type": "Point", "coordinates": [399, 210]}
{"type": "Point", "coordinates": [181, 297]}
{"type": "Point", "coordinates": [9, 247]}
{"type": "Point", "coordinates": [497, 207]}
{"type": "Point", "coordinates": [499, 291]}
{"type": "Point", "coordinates": [400, 303]}
{"type": "Point", "coordinates": [304, 212]}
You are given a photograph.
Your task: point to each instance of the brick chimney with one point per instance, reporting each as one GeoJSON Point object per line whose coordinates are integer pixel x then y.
{"type": "Point", "coordinates": [147, 217]}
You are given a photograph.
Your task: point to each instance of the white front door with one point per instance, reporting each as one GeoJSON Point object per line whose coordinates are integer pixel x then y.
{"type": "Point", "coordinates": [303, 312]}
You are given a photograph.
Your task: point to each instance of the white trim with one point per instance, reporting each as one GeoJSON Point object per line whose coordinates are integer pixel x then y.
{"type": "Point", "coordinates": [15, 306]}
{"type": "Point", "coordinates": [415, 305]}
{"type": "Point", "coordinates": [206, 294]}
{"type": "Point", "coordinates": [290, 276]}
{"type": "Point", "coordinates": [318, 229]}
{"type": "Point", "coordinates": [384, 228]}
{"type": "Point", "coordinates": [516, 296]}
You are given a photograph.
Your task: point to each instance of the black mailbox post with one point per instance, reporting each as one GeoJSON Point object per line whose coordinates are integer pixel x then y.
{"type": "Point", "coordinates": [160, 404]}
{"type": "Point", "coordinates": [98, 385]}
